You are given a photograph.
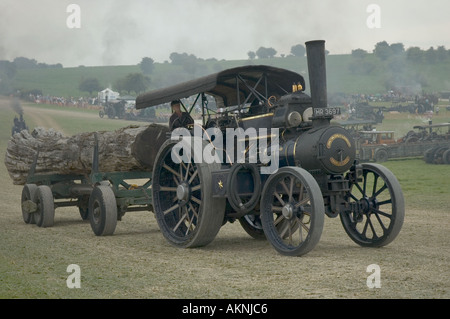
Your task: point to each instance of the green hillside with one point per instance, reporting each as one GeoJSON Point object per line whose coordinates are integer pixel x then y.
{"type": "Point", "coordinates": [345, 74]}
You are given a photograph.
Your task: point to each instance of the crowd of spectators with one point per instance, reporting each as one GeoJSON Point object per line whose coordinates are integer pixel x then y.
{"type": "Point", "coordinates": [81, 102]}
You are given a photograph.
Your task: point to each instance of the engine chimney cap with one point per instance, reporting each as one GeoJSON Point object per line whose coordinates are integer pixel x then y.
{"type": "Point", "coordinates": [314, 41]}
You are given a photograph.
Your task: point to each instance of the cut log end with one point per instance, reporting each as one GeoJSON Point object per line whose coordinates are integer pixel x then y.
{"type": "Point", "coordinates": [127, 149]}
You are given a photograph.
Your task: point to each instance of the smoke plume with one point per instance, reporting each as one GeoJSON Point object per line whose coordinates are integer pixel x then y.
{"type": "Point", "coordinates": [16, 106]}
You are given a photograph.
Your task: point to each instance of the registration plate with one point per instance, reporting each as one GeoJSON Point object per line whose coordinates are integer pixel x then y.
{"type": "Point", "coordinates": [327, 111]}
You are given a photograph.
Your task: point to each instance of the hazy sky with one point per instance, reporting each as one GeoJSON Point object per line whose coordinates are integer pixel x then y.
{"type": "Point", "coordinates": [122, 32]}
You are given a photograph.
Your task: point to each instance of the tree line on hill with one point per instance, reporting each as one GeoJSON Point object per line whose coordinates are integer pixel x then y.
{"type": "Point", "coordinates": [393, 59]}
{"type": "Point", "coordinates": [188, 63]}
{"type": "Point", "coordinates": [385, 51]}
{"type": "Point", "coordinates": [8, 70]}
{"type": "Point", "coordinates": [397, 63]}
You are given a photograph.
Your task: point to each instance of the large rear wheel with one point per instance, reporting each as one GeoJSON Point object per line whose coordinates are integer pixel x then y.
{"type": "Point", "coordinates": [187, 213]}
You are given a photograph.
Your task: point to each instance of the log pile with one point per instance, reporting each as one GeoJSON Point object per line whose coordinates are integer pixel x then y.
{"type": "Point", "coordinates": [128, 149]}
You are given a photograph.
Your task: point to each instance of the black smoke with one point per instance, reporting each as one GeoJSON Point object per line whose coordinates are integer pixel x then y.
{"type": "Point", "coordinates": [16, 106]}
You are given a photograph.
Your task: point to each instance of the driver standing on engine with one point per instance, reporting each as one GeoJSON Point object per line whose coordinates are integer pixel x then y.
{"type": "Point", "coordinates": [178, 118]}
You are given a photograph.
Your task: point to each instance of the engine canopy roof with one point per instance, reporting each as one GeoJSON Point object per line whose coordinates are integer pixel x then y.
{"type": "Point", "coordinates": [266, 80]}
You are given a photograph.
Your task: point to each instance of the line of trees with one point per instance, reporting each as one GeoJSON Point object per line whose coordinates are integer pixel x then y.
{"type": "Point", "coordinates": [391, 58]}
{"type": "Point", "coordinates": [395, 63]}
{"type": "Point", "coordinates": [394, 57]}
{"type": "Point", "coordinates": [385, 51]}
{"type": "Point", "coordinates": [297, 50]}
{"type": "Point", "coordinates": [132, 82]}
{"type": "Point", "coordinates": [8, 70]}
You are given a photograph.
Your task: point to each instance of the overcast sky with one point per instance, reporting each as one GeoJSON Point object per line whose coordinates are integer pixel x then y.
{"type": "Point", "coordinates": [122, 32]}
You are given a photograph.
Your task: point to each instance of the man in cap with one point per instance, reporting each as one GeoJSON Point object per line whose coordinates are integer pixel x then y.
{"type": "Point", "coordinates": [179, 118]}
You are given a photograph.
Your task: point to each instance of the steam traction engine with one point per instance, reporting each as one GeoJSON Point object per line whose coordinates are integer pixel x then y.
{"type": "Point", "coordinates": [318, 172]}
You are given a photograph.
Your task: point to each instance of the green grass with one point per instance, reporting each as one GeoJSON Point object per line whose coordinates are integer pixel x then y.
{"type": "Point", "coordinates": [402, 123]}
{"type": "Point", "coordinates": [90, 125]}
{"type": "Point", "coordinates": [424, 186]}
{"type": "Point", "coordinates": [72, 125]}
{"type": "Point", "coordinates": [6, 124]}
{"type": "Point", "coordinates": [64, 82]}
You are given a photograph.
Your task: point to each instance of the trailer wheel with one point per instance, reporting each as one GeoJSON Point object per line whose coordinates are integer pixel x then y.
{"type": "Point", "coordinates": [28, 193]}
{"type": "Point", "coordinates": [292, 211]}
{"type": "Point", "coordinates": [103, 210]}
{"type": "Point", "coordinates": [187, 213]}
{"type": "Point", "coordinates": [45, 213]}
{"type": "Point", "coordinates": [378, 207]}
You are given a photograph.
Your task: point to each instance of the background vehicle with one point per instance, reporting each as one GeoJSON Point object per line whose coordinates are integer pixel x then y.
{"type": "Point", "coordinates": [118, 109]}
{"type": "Point", "coordinates": [113, 109]}
{"type": "Point", "coordinates": [19, 125]}
{"type": "Point", "coordinates": [380, 146]}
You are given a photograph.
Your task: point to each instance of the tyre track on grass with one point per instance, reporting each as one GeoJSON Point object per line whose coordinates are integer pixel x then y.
{"type": "Point", "coordinates": [42, 118]}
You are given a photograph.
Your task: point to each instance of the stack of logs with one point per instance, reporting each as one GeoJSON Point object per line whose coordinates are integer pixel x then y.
{"type": "Point", "coordinates": [128, 149]}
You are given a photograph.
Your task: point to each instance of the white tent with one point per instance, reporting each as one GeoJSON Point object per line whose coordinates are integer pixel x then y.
{"type": "Point", "coordinates": [102, 95]}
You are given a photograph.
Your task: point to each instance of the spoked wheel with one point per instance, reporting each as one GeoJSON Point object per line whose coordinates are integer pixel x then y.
{"type": "Point", "coordinates": [187, 214]}
{"type": "Point", "coordinates": [103, 210]}
{"type": "Point", "coordinates": [253, 226]}
{"type": "Point", "coordinates": [45, 212]}
{"type": "Point", "coordinates": [378, 208]}
{"type": "Point", "coordinates": [292, 211]}
{"type": "Point", "coordinates": [28, 192]}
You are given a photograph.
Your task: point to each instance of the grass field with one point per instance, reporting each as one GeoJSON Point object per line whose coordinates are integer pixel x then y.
{"type": "Point", "coordinates": [137, 262]}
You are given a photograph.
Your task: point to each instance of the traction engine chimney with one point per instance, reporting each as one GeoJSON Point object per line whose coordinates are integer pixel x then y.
{"type": "Point", "coordinates": [315, 52]}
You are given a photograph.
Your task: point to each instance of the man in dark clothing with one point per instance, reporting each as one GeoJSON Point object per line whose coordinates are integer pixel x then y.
{"type": "Point", "coordinates": [178, 118]}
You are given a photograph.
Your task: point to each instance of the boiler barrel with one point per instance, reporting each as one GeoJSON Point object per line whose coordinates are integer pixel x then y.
{"type": "Point", "coordinates": [330, 149]}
